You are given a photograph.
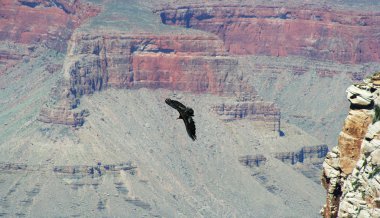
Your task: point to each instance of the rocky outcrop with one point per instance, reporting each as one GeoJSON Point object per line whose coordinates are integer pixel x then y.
{"type": "Point", "coordinates": [316, 33]}
{"type": "Point", "coordinates": [313, 154]}
{"type": "Point", "coordinates": [94, 170]}
{"type": "Point", "coordinates": [62, 115]}
{"type": "Point", "coordinates": [73, 170]}
{"type": "Point", "coordinates": [42, 21]}
{"type": "Point", "coordinates": [361, 189]}
{"type": "Point", "coordinates": [252, 160]}
{"type": "Point", "coordinates": [309, 154]}
{"type": "Point", "coordinates": [350, 173]}
{"type": "Point", "coordinates": [254, 110]}
{"type": "Point", "coordinates": [250, 108]}
{"type": "Point", "coordinates": [194, 63]}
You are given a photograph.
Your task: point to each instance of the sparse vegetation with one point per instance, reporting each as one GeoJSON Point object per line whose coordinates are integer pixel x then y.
{"type": "Point", "coordinates": [363, 194]}
{"type": "Point", "coordinates": [364, 163]}
{"type": "Point", "coordinates": [375, 171]}
{"type": "Point", "coordinates": [377, 114]}
{"type": "Point", "coordinates": [355, 184]}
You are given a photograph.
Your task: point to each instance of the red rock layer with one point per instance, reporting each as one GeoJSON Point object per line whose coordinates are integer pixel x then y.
{"type": "Point", "coordinates": [321, 34]}
{"type": "Point", "coordinates": [196, 63]}
{"type": "Point", "coordinates": [42, 21]}
{"type": "Point", "coordinates": [186, 63]}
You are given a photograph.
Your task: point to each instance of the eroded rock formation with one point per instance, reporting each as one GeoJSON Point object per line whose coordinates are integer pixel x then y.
{"type": "Point", "coordinates": [188, 63]}
{"type": "Point", "coordinates": [194, 63]}
{"type": "Point", "coordinates": [252, 160]}
{"type": "Point", "coordinates": [308, 154]}
{"type": "Point", "coordinates": [316, 33]}
{"type": "Point", "coordinates": [350, 171]}
{"type": "Point", "coordinates": [42, 21]}
{"type": "Point", "coordinates": [253, 110]}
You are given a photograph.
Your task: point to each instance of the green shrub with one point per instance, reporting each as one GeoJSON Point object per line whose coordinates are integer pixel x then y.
{"type": "Point", "coordinates": [377, 114]}
{"type": "Point", "coordinates": [374, 172]}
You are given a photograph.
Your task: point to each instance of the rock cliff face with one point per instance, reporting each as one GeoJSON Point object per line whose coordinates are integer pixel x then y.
{"type": "Point", "coordinates": [351, 170]}
{"type": "Point", "coordinates": [188, 63]}
{"type": "Point", "coordinates": [196, 63]}
{"type": "Point", "coordinates": [250, 109]}
{"type": "Point", "coordinates": [62, 115]}
{"type": "Point", "coordinates": [316, 33]}
{"type": "Point", "coordinates": [42, 21]}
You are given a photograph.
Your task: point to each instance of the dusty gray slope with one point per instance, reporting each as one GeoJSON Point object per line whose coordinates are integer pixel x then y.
{"type": "Point", "coordinates": [51, 170]}
{"type": "Point", "coordinates": [24, 88]}
{"type": "Point", "coordinates": [174, 176]}
{"type": "Point", "coordinates": [315, 103]}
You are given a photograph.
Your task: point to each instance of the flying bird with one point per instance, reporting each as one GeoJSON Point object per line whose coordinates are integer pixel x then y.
{"type": "Point", "coordinates": [186, 114]}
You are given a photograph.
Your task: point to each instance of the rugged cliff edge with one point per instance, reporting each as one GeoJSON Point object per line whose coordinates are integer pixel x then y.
{"type": "Point", "coordinates": [351, 171]}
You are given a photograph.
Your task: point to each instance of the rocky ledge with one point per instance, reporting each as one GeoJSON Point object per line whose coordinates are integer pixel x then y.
{"type": "Point", "coordinates": [351, 171]}
{"type": "Point", "coordinates": [250, 107]}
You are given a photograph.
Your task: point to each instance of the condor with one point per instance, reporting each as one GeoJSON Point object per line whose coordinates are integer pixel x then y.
{"type": "Point", "coordinates": [186, 114]}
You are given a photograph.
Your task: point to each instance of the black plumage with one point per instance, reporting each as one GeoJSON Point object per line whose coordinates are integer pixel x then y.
{"type": "Point", "coordinates": [186, 114]}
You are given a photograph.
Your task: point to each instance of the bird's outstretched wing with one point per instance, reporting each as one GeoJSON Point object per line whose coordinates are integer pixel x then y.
{"type": "Point", "coordinates": [176, 105]}
{"type": "Point", "coordinates": [190, 127]}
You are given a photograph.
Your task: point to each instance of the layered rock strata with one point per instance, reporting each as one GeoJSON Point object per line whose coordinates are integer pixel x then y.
{"type": "Point", "coordinates": [188, 63]}
{"type": "Point", "coordinates": [83, 170]}
{"type": "Point", "coordinates": [42, 21]}
{"type": "Point", "coordinates": [308, 154]}
{"type": "Point", "coordinates": [350, 171]}
{"type": "Point", "coordinates": [252, 160]}
{"type": "Point", "coordinates": [10, 55]}
{"type": "Point", "coordinates": [316, 33]}
{"type": "Point", "coordinates": [94, 170]}
{"type": "Point", "coordinates": [194, 63]}
{"type": "Point", "coordinates": [62, 114]}
{"type": "Point", "coordinates": [253, 110]}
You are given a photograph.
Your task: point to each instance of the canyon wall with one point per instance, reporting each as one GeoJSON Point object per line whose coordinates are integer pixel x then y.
{"type": "Point", "coordinates": [41, 21]}
{"type": "Point", "coordinates": [193, 63]}
{"type": "Point", "coordinates": [316, 33]}
{"type": "Point", "coordinates": [351, 170]}
{"type": "Point", "coordinates": [188, 63]}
